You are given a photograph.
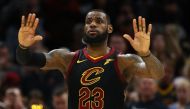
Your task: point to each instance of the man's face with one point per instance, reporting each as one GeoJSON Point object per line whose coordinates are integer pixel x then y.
{"type": "Point", "coordinates": [4, 55]}
{"type": "Point", "coordinates": [147, 87]}
{"type": "Point", "coordinates": [182, 93]}
{"type": "Point", "coordinates": [96, 27]}
{"type": "Point", "coordinates": [13, 98]}
{"type": "Point", "coordinates": [60, 102]}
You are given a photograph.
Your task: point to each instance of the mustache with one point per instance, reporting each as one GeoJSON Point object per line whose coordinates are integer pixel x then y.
{"type": "Point", "coordinates": [92, 30]}
{"type": "Point", "coordinates": [101, 37]}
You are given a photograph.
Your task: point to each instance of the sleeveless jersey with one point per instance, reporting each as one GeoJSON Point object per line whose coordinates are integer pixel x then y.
{"type": "Point", "coordinates": [95, 83]}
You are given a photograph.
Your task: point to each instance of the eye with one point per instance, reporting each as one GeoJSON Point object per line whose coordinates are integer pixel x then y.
{"type": "Point", "coordinates": [88, 21]}
{"type": "Point", "coordinates": [99, 20]}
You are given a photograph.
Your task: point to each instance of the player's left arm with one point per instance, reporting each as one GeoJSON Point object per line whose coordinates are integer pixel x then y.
{"type": "Point", "coordinates": [145, 64]}
{"type": "Point", "coordinates": [141, 66]}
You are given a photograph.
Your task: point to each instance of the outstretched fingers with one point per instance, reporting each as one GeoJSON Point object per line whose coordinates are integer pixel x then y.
{"type": "Point", "coordinates": [32, 20]}
{"type": "Point", "coordinates": [143, 25]}
{"type": "Point", "coordinates": [36, 22]}
{"type": "Point", "coordinates": [126, 36]}
{"type": "Point", "coordinates": [23, 21]}
{"type": "Point", "coordinates": [140, 23]}
{"type": "Point", "coordinates": [135, 26]}
{"type": "Point", "coordinates": [28, 19]}
{"type": "Point", "coordinates": [149, 29]}
{"type": "Point", "coordinates": [37, 38]}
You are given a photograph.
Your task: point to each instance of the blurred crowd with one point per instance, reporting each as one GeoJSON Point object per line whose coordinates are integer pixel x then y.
{"type": "Point", "coordinates": [61, 25]}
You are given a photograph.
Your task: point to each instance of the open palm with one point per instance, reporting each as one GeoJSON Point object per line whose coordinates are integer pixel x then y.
{"type": "Point", "coordinates": [141, 41]}
{"type": "Point", "coordinates": [26, 35]}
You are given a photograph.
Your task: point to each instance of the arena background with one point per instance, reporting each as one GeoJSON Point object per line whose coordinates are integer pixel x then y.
{"type": "Point", "coordinates": [61, 25]}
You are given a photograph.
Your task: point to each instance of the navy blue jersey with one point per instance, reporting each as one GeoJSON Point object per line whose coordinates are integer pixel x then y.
{"type": "Point", "coordinates": [95, 83]}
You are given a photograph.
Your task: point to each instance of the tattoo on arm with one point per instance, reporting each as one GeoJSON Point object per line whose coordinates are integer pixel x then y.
{"type": "Point", "coordinates": [148, 66]}
{"type": "Point", "coordinates": [56, 59]}
{"type": "Point", "coordinates": [153, 66]}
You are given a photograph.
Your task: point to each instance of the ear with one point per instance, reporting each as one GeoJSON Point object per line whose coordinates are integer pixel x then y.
{"type": "Point", "coordinates": [110, 29]}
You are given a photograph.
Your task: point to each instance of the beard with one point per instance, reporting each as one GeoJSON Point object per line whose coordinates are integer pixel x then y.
{"type": "Point", "coordinates": [98, 39]}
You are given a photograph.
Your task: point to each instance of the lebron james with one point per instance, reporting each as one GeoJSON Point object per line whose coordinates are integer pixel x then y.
{"type": "Point", "coordinates": [96, 75]}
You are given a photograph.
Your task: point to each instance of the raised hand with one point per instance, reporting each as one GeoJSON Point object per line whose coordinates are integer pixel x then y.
{"type": "Point", "coordinates": [141, 41]}
{"type": "Point", "coordinates": [26, 35]}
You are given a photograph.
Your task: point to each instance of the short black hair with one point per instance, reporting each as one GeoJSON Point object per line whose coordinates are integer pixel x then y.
{"type": "Point", "coordinates": [102, 11]}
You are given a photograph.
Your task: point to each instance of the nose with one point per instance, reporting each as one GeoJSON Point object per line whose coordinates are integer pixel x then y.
{"type": "Point", "coordinates": [93, 24]}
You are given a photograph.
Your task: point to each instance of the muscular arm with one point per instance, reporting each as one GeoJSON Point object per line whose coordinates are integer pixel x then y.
{"type": "Point", "coordinates": [144, 66]}
{"type": "Point", "coordinates": [55, 59]}
{"type": "Point", "coordinates": [26, 57]}
{"type": "Point", "coordinates": [58, 59]}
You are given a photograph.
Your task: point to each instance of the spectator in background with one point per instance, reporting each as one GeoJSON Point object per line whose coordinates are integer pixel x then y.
{"type": "Point", "coordinates": [9, 72]}
{"type": "Point", "coordinates": [13, 99]}
{"type": "Point", "coordinates": [124, 15]}
{"type": "Point", "coordinates": [182, 86]}
{"type": "Point", "coordinates": [60, 98]}
{"type": "Point", "coordinates": [77, 36]}
{"type": "Point", "coordinates": [159, 46]}
{"type": "Point", "coordinates": [118, 42]}
{"type": "Point", "coordinates": [186, 69]}
{"type": "Point", "coordinates": [166, 88]}
{"type": "Point", "coordinates": [59, 31]}
{"type": "Point", "coordinates": [166, 44]}
{"type": "Point", "coordinates": [5, 59]}
{"type": "Point", "coordinates": [172, 11]}
{"type": "Point", "coordinates": [31, 78]}
{"type": "Point", "coordinates": [53, 79]}
{"type": "Point", "coordinates": [2, 106]}
{"type": "Point", "coordinates": [36, 98]}
{"type": "Point", "coordinates": [146, 89]}
{"type": "Point", "coordinates": [174, 34]}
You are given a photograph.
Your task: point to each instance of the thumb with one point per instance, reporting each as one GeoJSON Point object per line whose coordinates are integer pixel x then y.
{"type": "Point", "coordinates": [38, 38]}
{"type": "Point", "coordinates": [126, 36]}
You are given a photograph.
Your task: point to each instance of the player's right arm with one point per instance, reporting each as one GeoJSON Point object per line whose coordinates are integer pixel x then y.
{"type": "Point", "coordinates": [56, 59]}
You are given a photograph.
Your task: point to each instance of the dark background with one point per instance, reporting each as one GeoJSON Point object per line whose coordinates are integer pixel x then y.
{"type": "Point", "coordinates": [61, 25]}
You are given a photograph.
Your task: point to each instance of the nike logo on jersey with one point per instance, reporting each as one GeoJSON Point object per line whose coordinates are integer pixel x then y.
{"type": "Point", "coordinates": [108, 61]}
{"type": "Point", "coordinates": [80, 61]}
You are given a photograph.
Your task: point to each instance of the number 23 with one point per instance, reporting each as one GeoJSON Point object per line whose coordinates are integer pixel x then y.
{"type": "Point", "coordinates": [85, 94]}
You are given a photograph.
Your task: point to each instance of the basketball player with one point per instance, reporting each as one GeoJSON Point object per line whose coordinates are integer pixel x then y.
{"type": "Point", "coordinates": [96, 75]}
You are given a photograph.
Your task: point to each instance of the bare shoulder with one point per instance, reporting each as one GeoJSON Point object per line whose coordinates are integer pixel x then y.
{"type": "Point", "coordinates": [129, 58]}
{"type": "Point", "coordinates": [58, 58]}
{"type": "Point", "coordinates": [127, 63]}
{"type": "Point", "coordinates": [61, 54]}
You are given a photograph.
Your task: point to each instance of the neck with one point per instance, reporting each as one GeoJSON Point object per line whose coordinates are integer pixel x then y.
{"type": "Point", "coordinates": [97, 50]}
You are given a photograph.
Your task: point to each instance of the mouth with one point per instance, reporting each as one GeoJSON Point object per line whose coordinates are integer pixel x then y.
{"type": "Point", "coordinates": [92, 32]}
